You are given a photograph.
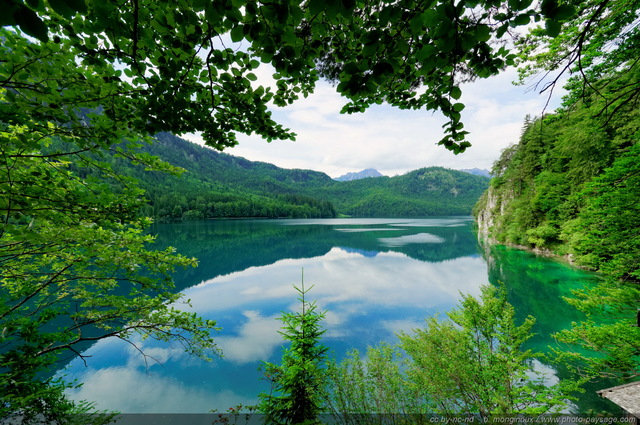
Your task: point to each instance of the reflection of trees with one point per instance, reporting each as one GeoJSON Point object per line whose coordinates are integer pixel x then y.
{"type": "Point", "coordinates": [536, 286]}
{"type": "Point", "coordinates": [228, 246]}
{"type": "Point", "coordinates": [224, 247]}
{"type": "Point", "coordinates": [459, 242]}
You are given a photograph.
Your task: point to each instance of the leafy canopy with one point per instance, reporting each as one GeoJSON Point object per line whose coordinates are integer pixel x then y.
{"type": "Point", "coordinates": [599, 41]}
{"type": "Point", "coordinates": [164, 66]}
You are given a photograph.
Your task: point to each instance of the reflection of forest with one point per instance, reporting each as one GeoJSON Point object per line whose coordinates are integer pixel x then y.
{"type": "Point", "coordinates": [227, 246]}
{"type": "Point", "coordinates": [536, 287]}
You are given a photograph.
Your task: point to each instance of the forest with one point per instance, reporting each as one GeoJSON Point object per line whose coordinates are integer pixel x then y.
{"type": "Point", "coordinates": [218, 185]}
{"type": "Point", "coordinates": [571, 187]}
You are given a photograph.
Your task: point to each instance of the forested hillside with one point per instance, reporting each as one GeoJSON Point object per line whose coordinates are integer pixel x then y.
{"type": "Point", "coordinates": [427, 191]}
{"type": "Point", "coordinates": [572, 183]}
{"type": "Point", "coordinates": [215, 184]}
{"type": "Point", "coordinates": [572, 186]}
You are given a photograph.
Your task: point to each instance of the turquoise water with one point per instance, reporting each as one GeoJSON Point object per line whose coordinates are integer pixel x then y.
{"type": "Point", "coordinates": [374, 277]}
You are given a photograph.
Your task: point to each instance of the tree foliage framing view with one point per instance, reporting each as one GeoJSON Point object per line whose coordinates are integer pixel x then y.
{"type": "Point", "coordinates": [80, 77]}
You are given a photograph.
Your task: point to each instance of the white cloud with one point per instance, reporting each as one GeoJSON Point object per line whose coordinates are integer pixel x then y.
{"type": "Point", "coordinates": [405, 326]}
{"type": "Point", "coordinates": [419, 238]}
{"type": "Point", "coordinates": [391, 140]}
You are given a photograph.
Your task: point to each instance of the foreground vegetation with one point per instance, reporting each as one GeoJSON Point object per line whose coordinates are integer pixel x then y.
{"type": "Point", "coordinates": [473, 363]}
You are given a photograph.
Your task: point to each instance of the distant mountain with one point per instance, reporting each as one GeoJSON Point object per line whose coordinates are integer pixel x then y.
{"type": "Point", "coordinates": [369, 172]}
{"type": "Point", "coordinates": [425, 192]}
{"type": "Point", "coordinates": [217, 185]}
{"type": "Point", "coordinates": [477, 172]}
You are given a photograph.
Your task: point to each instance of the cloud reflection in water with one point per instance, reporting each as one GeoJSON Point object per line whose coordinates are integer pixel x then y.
{"type": "Point", "coordinates": [367, 300]}
{"type": "Point", "coordinates": [130, 390]}
{"type": "Point", "coordinates": [408, 239]}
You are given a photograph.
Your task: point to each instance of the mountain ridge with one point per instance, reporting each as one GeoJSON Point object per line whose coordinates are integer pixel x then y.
{"type": "Point", "coordinates": [218, 185]}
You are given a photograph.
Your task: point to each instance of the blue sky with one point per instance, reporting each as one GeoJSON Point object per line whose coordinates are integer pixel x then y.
{"type": "Point", "coordinates": [395, 141]}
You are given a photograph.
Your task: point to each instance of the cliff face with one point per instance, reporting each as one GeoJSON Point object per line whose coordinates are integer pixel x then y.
{"type": "Point", "coordinates": [491, 206]}
{"type": "Point", "coordinates": [490, 213]}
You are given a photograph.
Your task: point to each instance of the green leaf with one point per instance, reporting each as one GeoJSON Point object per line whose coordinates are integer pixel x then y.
{"type": "Point", "coordinates": [417, 24]}
{"type": "Point", "coordinates": [548, 6]}
{"type": "Point", "coordinates": [446, 44]}
{"type": "Point", "coordinates": [62, 8]}
{"type": "Point", "coordinates": [382, 69]}
{"type": "Point", "coordinates": [426, 52]}
{"type": "Point", "coordinates": [7, 18]}
{"type": "Point", "coordinates": [482, 33]}
{"type": "Point", "coordinates": [351, 68]}
{"type": "Point", "coordinates": [213, 14]}
{"type": "Point", "coordinates": [77, 5]}
{"type": "Point", "coordinates": [369, 50]}
{"type": "Point", "coordinates": [384, 16]}
{"type": "Point", "coordinates": [502, 30]}
{"type": "Point", "coordinates": [456, 93]}
{"type": "Point", "coordinates": [316, 6]}
{"type": "Point", "coordinates": [348, 6]}
{"type": "Point", "coordinates": [563, 12]}
{"type": "Point", "coordinates": [372, 36]}
{"type": "Point", "coordinates": [553, 28]}
{"type": "Point", "coordinates": [199, 5]}
{"type": "Point", "coordinates": [237, 33]}
{"type": "Point", "coordinates": [458, 106]}
{"type": "Point", "coordinates": [332, 8]}
{"type": "Point", "coordinates": [402, 46]}
{"type": "Point", "coordinates": [522, 19]}
{"type": "Point", "coordinates": [31, 24]}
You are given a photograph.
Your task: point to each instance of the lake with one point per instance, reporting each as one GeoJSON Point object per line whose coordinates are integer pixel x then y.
{"type": "Point", "coordinates": [374, 277]}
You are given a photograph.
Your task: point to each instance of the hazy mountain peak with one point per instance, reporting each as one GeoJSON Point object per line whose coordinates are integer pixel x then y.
{"type": "Point", "coordinates": [369, 172]}
{"type": "Point", "coordinates": [477, 172]}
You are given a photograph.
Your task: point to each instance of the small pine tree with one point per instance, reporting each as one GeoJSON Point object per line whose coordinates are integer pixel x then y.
{"type": "Point", "coordinates": [297, 384]}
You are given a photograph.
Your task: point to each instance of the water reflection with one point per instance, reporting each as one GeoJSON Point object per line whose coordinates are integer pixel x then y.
{"type": "Point", "coordinates": [224, 247]}
{"type": "Point", "coordinates": [537, 286]}
{"type": "Point", "coordinates": [411, 239]}
{"type": "Point", "coordinates": [374, 277]}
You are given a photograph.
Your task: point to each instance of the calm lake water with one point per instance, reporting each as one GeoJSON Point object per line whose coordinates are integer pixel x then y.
{"type": "Point", "coordinates": [374, 277]}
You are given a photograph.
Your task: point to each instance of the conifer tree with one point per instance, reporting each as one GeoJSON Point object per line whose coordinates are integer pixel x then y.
{"type": "Point", "coordinates": [297, 383]}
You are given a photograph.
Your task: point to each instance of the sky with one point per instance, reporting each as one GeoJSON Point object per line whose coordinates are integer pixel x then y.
{"type": "Point", "coordinates": [391, 140]}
